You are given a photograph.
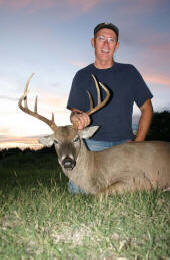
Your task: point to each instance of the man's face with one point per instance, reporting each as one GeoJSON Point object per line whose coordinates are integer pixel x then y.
{"type": "Point", "coordinates": [105, 44]}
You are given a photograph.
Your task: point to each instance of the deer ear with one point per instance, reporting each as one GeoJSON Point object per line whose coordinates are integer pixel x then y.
{"type": "Point", "coordinates": [46, 140]}
{"type": "Point", "coordinates": [87, 132]}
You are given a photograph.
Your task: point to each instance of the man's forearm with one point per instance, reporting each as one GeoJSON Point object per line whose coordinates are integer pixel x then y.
{"type": "Point", "coordinates": [144, 122]}
{"type": "Point", "coordinates": [143, 128]}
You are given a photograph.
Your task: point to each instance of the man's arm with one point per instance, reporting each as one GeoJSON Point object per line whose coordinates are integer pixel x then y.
{"type": "Point", "coordinates": [145, 120]}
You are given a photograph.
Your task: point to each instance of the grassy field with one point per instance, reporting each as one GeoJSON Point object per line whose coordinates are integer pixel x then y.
{"type": "Point", "coordinates": [39, 219]}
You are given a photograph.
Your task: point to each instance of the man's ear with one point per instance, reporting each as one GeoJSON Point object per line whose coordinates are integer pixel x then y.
{"type": "Point", "coordinates": [47, 140]}
{"type": "Point", "coordinates": [92, 42]}
{"type": "Point", "coordinates": [117, 46]}
{"type": "Point", "coordinates": [88, 132]}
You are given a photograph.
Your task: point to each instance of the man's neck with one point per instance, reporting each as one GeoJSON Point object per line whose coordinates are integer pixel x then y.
{"type": "Point", "coordinates": [103, 65]}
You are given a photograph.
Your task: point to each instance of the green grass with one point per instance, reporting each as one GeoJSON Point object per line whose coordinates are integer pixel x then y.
{"type": "Point", "coordinates": [39, 219]}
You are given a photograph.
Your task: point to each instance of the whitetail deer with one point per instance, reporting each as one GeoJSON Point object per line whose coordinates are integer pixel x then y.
{"type": "Point", "coordinates": [127, 167]}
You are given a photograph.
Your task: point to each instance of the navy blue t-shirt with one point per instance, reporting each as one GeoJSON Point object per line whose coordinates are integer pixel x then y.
{"type": "Point", "coordinates": [126, 86]}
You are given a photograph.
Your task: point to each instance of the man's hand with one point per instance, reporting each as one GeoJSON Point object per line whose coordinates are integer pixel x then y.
{"type": "Point", "coordinates": [80, 118]}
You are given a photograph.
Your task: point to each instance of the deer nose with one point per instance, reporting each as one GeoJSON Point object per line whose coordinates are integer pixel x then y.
{"type": "Point", "coordinates": [68, 163]}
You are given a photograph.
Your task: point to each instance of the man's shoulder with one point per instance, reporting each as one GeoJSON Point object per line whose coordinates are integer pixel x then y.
{"type": "Point", "coordinates": [85, 70]}
{"type": "Point", "coordinates": [82, 76]}
{"type": "Point", "coordinates": [124, 67]}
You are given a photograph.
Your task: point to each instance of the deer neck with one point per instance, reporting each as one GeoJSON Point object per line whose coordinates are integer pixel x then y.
{"type": "Point", "coordinates": [80, 174]}
{"type": "Point", "coordinates": [83, 158]}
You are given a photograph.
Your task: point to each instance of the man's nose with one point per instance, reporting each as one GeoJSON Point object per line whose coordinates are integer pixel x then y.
{"type": "Point", "coordinates": [106, 42]}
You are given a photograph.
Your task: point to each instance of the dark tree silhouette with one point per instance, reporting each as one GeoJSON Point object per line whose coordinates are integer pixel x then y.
{"type": "Point", "coordinates": [160, 127]}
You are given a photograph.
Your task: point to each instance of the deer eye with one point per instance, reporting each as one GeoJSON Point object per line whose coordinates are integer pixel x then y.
{"type": "Point", "coordinates": [56, 142]}
{"type": "Point", "coordinates": [76, 139]}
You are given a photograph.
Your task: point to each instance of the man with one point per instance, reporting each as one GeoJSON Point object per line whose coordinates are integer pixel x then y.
{"type": "Point", "coordinates": [126, 86]}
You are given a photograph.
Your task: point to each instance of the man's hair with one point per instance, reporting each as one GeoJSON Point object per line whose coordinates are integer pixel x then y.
{"type": "Point", "coordinates": [107, 25]}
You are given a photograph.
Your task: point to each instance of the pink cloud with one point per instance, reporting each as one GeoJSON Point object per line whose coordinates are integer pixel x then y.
{"type": "Point", "coordinates": [161, 49]}
{"type": "Point", "coordinates": [30, 139]}
{"type": "Point", "coordinates": [157, 79]}
{"type": "Point", "coordinates": [50, 100]}
{"type": "Point", "coordinates": [85, 5]}
{"type": "Point", "coordinates": [4, 131]}
{"type": "Point", "coordinates": [156, 55]}
{"type": "Point", "coordinates": [15, 4]}
{"type": "Point", "coordinates": [138, 7]}
{"type": "Point", "coordinates": [48, 104]}
{"type": "Point", "coordinates": [35, 5]}
{"type": "Point", "coordinates": [19, 4]}
{"type": "Point", "coordinates": [157, 41]}
{"type": "Point", "coordinates": [21, 142]}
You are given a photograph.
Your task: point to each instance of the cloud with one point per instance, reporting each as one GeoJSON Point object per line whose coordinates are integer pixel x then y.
{"type": "Point", "coordinates": [161, 50]}
{"type": "Point", "coordinates": [132, 8]}
{"type": "Point", "coordinates": [85, 5]}
{"type": "Point", "coordinates": [21, 142]}
{"type": "Point", "coordinates": [36, 5]}
{"type": "Point", "coordinates": [20, 4]}
{"type": "Point", "coordinates": [8, 98]}
{"type": "Point", "coordinates": [4, 131]}
{"type": "Point", "coordinates": [157, 41]}
{"type": "Point", "coordinates": [47, 101]}
{"type": "Point", "coordinates": [156, 60]}
{"type": "Point", "coordinates": [150, 51]}
{"type": "Point", "coordinates": [6, 138]}
{"type": "Point", "coordinates": [79, 64]}
{"type": "Point", "coordinates": [157, 79]}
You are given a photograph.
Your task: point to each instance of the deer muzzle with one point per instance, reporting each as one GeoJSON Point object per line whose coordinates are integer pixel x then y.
{"type": "Point", "coordinates": [68, 163]}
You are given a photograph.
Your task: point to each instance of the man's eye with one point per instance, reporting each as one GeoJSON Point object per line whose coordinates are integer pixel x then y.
{"type": "Point", "coordinates": [110, 40]}
{"type": "Point", "coordinates": [76, 139]}
{"type": "Point", "coordinates": [56, 142]}
{"type": "Point", "coordinates": [101, 38]}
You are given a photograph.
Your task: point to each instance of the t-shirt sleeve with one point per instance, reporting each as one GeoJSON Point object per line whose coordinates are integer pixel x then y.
{"type": "Point", "coordinates": [78, 97]}
{"type": "Point", "coordinates": [141, 90]}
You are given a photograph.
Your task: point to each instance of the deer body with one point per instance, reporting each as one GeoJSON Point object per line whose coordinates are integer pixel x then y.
{"type": "Point", "coordinates": [125, 167]}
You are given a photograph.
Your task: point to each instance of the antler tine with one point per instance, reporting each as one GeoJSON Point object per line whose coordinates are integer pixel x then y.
{"type": "Point", "coordinates": [24, 96]}
{"type": "Point", "coordinates": [98, 90]}
{"type": "Point", "coordinates": [34, 113]}
{"type": "Point", "coordinates": [26, 90]}
{"type": "Point", "coordinates": [52, 117]}
{"type": "Point", "coordinates": [100, 103]}
{"type": "Point", "coordinates": [35, 107]}
{"type": "Point", "coordinates": [90, 99]}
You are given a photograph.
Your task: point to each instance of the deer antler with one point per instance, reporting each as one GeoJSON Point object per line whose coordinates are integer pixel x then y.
{"type": "Point", "coordinates": [34, 113]}
{"type": "Point", "coordinates": [51, 122]}
{"type": "Point", "coordinates": [100, 103]}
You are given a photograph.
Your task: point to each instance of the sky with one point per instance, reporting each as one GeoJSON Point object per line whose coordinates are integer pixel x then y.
{"type": "Point", "coordinates": [51, 38]}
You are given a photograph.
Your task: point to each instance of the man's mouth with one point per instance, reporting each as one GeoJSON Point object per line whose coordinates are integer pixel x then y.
{"type": "Point", "coordinates": [104, 51]}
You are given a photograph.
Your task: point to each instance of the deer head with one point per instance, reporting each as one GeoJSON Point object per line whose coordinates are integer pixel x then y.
{"type": "Point", "coordinates": [66, 139]}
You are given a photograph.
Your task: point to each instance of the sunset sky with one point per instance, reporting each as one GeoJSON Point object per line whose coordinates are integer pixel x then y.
{"type": "Point", "coordinates": [52, 39]}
